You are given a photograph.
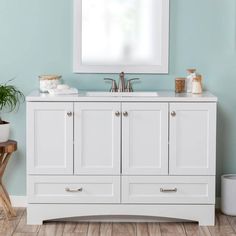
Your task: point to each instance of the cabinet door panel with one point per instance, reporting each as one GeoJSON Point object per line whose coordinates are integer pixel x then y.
{"type": "Point", "coordinates": [50, 138]}
{"type": "Point", "coordinates": [145, 139]}
{"type": "Point", "coordinates": [192, 139]}
{"type": "Point", "coordinates": [97, 138]}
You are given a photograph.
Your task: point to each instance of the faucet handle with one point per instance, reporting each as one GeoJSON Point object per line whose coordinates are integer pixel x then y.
{"type": "Point", "coordinates": [113, 86]}
{"type": "Point", "coordinates": [129, 87]}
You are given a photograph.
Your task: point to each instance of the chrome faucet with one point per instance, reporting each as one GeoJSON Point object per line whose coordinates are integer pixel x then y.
{"type": "Point", "coordinates": [113, 86]}
{"type": "Point", "coordinates": [121, 86]}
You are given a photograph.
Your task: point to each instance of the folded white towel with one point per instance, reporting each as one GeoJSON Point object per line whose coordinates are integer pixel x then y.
{"type": "Point", "coordinates": [69, 91]}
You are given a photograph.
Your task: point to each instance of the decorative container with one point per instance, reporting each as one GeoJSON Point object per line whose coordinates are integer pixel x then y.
{"type": "Point", "coordinates": [47, 82]}
{"type": "Point", "coordinates": [4, 132]}
{"type": "Point", "coordinates": [180, 85]}
{"type": "Point", "coordinates": [197, 85]}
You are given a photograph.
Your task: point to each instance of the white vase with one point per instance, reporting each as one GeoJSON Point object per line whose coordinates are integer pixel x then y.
{"type": "Point", "coordinates": [4, 132]}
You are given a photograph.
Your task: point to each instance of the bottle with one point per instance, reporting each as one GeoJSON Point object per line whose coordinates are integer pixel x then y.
{"type": "Point", "coordinates": [189, 80]}
{"type": "Point", "coordinates": [197, 85]}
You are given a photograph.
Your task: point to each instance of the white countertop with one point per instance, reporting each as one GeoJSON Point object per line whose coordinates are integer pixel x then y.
{"type": "Point", "coordinates": [163, 96]}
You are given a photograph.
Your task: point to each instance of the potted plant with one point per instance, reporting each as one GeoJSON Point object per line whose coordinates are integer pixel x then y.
{"type": "Point", "coordinates": [10, 99]}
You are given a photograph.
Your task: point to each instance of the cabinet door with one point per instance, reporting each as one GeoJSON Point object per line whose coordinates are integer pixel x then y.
{"type": "Point", "coordinates": [97, 138]}
{"type": "Point", "coordinates": [192, 138]}
{"type": "Point", "coordinates": [50, 138]}
{"type": "Point", "coordinates": [145, 139]}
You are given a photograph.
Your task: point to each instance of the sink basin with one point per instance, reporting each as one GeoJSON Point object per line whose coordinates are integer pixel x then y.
{"type": "Point", "coordinates": [125, 94]}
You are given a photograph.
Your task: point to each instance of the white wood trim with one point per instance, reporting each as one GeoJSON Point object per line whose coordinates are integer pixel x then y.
{"type": "Point", "coordinates": [78, 67]}
{"type": "Point", "coordinates": [37, 213]}
{"type": "Point", "coordinates": [21, 201]}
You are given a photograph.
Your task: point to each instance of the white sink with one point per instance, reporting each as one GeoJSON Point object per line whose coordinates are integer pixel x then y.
{"type": "Point", "coordinates": [125, 94]}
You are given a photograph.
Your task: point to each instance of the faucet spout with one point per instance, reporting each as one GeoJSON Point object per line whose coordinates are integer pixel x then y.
{"type": "Point", "coordinates": [121, 87]}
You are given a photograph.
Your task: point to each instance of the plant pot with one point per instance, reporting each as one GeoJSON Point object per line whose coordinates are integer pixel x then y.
{"type": "Point", "coordinates": [4, 131]}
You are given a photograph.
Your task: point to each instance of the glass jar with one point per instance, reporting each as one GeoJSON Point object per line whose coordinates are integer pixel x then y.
{"type": "Point", "coordinates": [47, 82]}
{"type": "Point", "coordinates": [180, 85]}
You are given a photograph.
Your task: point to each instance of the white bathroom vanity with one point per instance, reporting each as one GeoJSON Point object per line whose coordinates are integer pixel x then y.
{"type": "Point", "coordinates": [97, 155]}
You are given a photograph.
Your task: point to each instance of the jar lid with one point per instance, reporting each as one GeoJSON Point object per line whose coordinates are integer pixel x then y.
{"type": "Point", "coordinates": [180, 78]}
{"type": "Point", "coordinates": [191, 70]}
{"type": "Point", "coordinates": [49, 77]}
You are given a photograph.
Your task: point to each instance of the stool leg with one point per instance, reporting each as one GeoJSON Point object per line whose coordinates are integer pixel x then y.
{"type": "Point", "coordinates": [6, 193]}
{"type": "Point", "coordinates": [5, 199]}
{"type": "Point", "coordinates": [7, 205]}
{"type": "Point", "coordinates": [6, 212]}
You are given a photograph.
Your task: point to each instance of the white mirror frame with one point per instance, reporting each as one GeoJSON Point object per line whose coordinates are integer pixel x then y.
{"type": "Point", "coordinates": [78, 67]}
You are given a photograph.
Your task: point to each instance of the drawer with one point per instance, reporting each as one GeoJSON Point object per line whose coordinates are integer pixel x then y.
{"type": "Point", "coordinates": [73, 189]}
{"type": "Point", "coordinates": [168, 189]}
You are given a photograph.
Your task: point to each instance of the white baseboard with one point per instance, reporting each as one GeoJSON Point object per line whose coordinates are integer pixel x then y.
{"type": "Point", "coordinates": [18, 201]}
{"type": "Point", "coordinates": [21, 201]}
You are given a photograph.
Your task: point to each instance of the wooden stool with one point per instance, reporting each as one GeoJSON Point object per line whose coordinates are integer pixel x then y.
{"type": "Point", "coordinates": [6, 150]}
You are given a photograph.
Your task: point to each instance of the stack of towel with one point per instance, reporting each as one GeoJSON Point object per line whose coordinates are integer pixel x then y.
{"type": "Point", "coordinates": [63, 89]}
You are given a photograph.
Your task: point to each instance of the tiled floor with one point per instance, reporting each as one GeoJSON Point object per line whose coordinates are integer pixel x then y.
{"type": "Point", "coordinates": [225, 226]}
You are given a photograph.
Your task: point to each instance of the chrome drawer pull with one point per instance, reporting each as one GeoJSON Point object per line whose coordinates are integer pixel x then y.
{"type": "Point", "coordinates": [74, 190]}
{"type": "Point", "coordinates": [174, 190]}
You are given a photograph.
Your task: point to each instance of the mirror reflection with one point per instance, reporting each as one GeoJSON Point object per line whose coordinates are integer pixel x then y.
{"type": "Point", "coordinates": [121, 32]}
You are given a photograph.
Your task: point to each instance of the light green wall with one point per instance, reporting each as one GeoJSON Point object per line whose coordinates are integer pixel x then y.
{"type": "Point", "coordinates": [36, 38]}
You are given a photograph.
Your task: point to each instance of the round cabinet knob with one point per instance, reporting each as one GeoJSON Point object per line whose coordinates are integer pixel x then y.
{"type": "Point", "coordinates": [125, 113]}
{"type": "Point", "coordinates": [69, 114]}
{"type": "Point", "coordinates": [117, 113]}
{"type": "Point", "coordinates": [173, 113]}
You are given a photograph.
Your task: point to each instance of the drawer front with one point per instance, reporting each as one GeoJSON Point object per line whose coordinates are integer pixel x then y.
{"type": "Point", "coordinates": [73, 189]}
{"type": "Point", "coordinates": [168, 190]}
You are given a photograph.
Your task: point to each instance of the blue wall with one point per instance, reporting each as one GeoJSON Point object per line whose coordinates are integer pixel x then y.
{"type": "Point", "coordinates": [36, 38]}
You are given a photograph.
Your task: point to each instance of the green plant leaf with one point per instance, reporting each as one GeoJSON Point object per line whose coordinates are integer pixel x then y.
{"type": "Point", "coordinates": [10, 97]}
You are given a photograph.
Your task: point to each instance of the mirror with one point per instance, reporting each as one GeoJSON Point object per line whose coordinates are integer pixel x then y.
{"type": "Point", "coordinates": [121, 35]}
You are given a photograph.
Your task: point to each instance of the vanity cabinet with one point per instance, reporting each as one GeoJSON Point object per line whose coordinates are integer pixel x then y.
{"type": "Point", "coordinates": [50, 138]}
{"type": "Point", "coordinates": [121, 156]}
{"type": "Point", "coordinates": [103, 130]}
{"type": "Point", "coordinates": [192, 138]}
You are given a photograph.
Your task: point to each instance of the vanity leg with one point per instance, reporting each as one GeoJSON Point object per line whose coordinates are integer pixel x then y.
{"type": "Point", "coordinates": [208, 219]}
